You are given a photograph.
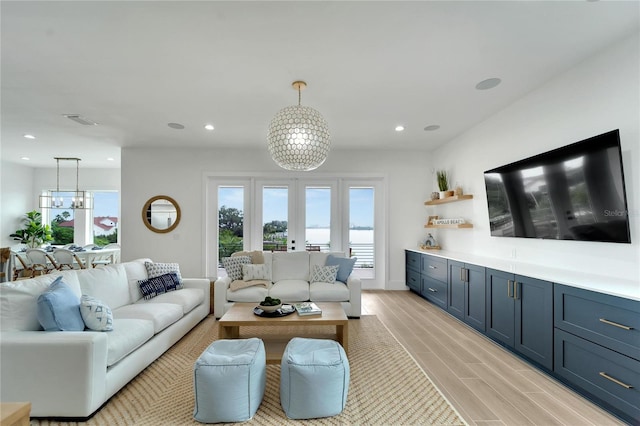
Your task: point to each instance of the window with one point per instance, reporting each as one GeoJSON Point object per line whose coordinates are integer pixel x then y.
{"type": "Point", "coordinates": [105, 218]}
{"type": "Point", "coordinates": [230, 220]}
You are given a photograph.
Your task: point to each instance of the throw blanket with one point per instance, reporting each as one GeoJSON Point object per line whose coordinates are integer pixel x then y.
{"type": "Point", "coordinates": [257, 258]}
{"type": "Point", "coordinates": [239, 284]}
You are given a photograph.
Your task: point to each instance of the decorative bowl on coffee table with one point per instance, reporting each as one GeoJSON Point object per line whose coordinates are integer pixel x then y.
{"type": "Point", "coordinates": [270, 308]}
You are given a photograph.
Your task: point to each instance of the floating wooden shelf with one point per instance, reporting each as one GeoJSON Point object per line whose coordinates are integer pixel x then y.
{"type": "Point", "coordinates": [452, 226]}
{"type": "Point", "coordinates": [449, 200]}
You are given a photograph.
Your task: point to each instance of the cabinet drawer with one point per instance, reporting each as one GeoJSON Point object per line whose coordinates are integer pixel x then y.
{"type": "Point", "coordinates": [434, 267]}
{"type": "Point", "coordinates": [413, 280]}
{"type": "Point", "coordinates": [412, 260]}
{"type": "Point", "coordinates": [605, 374]}
{"type": "Point", "coordinates": [610, 321]}
{"type": "Point", "coordinates": [434, 291]}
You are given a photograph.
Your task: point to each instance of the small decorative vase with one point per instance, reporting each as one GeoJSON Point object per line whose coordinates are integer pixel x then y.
{"type": "Point", "coordinates": [434, 195]}
{"type": "Point", "coordinates": [458, 190]}
{"type": "Point", "coordinates": [443, 194]}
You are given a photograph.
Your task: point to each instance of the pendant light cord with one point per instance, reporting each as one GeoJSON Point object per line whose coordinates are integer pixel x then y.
{"type": "Point", "coordinates": [77, 176]}
{"type": "Point", "coordinates": [58, 175]}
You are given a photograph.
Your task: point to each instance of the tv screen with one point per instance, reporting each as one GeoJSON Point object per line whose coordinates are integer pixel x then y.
{"type": "Point", "coordinates": [576, 192]}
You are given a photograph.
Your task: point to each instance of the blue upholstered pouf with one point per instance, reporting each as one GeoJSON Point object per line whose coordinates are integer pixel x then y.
{"type": "Point", "coordinates": [229, 380]}
{"type": "Point", "coordinates": [314, 378]}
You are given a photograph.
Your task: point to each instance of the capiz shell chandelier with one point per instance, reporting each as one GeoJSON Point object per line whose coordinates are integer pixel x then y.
{"type": "Point", "coordinates": [299, 136]}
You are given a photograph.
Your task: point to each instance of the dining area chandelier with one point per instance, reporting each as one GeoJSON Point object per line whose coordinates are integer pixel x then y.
{"type": "Point", "coordinates": [298, 137]}
{"type": "Point", "coordinates": [66, 199]}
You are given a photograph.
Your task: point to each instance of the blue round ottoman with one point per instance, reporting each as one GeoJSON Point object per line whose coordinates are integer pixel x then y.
{"type": "Point", "coordinates": [229, 380]}
{"type": "Point", "coordinates": [314, 378]}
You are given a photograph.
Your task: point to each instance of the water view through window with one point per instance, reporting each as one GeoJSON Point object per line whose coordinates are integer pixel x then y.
{"type": "Point", "coordinates": [276, 226]}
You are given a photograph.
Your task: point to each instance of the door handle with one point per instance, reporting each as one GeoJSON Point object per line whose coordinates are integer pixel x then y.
{"type": "Point", "coordinates": [432, 267]}
{"type": "Point", "coordinates": [466, 275]}
{"type": "Point", "coordinates": [432, 290]}
{"type": "Point", "coordinates": [462, 274]}
{"type": "Point", "coordinates": [509, 289]}
{"type": "Point", "coordinates": [515, 290]}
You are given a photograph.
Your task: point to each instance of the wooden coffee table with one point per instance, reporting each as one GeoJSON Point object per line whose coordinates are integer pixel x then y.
{"type": "Point", "coordinates": [241, 314]}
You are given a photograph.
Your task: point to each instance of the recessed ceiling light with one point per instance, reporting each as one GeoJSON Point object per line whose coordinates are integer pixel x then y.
{"type": "Point", "coordinates": [110, 159]}
{"type": "Point", "coordinates": [399, 128]}
{"type": "Point", "coordinates": [176, 126]}
{"type": "Point", "coordinates": [28, 136]}
{"type": "Point", "coordinates": [209, 126]}
{"type": "Point", "coordinates": [489, 83]}
{"type": "Point", "coordinates": [431, 128]}
{"type": "Point", "coordinates": [25, 158]}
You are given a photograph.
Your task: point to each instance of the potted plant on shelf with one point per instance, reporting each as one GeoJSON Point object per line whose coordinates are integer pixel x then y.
{"type": "Point", "coordinates": [34, 233]}
{"type": "Point", "coordinates": [443, 184]}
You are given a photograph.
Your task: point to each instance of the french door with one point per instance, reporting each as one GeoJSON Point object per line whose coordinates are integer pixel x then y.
{"type": "Point", "coordinates": [298, 214]}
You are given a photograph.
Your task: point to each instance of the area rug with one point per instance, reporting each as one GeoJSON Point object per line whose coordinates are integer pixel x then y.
{"type": "Point", "coordinates": [387, 386]}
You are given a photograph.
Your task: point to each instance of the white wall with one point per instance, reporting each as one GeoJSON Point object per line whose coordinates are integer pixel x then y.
{"type": "Point", "coordinates": [89, 179]}
{"type": "Point", "coordinates": [179, 173]}
{"type": "Point", "coordinates": [601, 94]}
{"type": "Point", "coordinates": [16, 198]}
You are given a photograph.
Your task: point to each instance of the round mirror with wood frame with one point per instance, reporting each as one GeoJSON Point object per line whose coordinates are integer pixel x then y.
{"type": "Point", "coordinates": [161, 214]}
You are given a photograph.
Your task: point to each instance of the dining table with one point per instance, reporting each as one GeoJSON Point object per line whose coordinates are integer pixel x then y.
{"type": "Point", "coordinates": [87, 256]}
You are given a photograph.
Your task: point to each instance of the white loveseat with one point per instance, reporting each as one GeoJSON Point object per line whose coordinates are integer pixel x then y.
{"type": "Point", "coordinates": [72, 373]}
{"type": "Point", "coordinates": [290, 274]}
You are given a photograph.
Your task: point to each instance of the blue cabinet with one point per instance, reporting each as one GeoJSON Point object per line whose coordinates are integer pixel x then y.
{"type": "Point", "coordinates": [589, 340]}
{"type": "Point", "coordinates": [413, 263]}
{"type": "Point", "coordinates": [434, 280]}
{"type": "Point", "coordinates": [520, 315]}
{"type": "Point", "coordinates": [466, 293]}
{"type": "Point", "coordinates": [597, 338]}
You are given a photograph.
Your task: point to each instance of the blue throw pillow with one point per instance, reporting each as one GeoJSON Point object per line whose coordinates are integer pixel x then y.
{"type": "Point", "coordinates": [155, 286]}
{"type": "Point", "coordinates": [345, 264]}
{"type": "Point", "coordinates": [59, 308]}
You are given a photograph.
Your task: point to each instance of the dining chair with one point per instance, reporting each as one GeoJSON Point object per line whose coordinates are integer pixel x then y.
{"type": "Point", "coordinates": [5, 261]}
{"type": "Point", "coordinates": [22, 268]}
{"type": "Point", "coordinates": [41, 262]}
{"type": "Point", "coordinates": [66, 259]}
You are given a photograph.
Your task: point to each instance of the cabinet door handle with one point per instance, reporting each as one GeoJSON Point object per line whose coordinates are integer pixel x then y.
{"type": "Point", "coordinates": [432, 267]}
{"type": "Point", "coordinates": [466, 275]}
{"type": "Point", "coordinates": [515, 290]}
{"type": "Point", "coordinates": [509, 288]}
{"type": "Point", "coordinates": [462, 274]}
{"type": "Point", "coordinates": [616, 381]}
{"type": "Point", "coordinates": [615, 324]}
{"type": "Point", "coordinates": [432, 290]}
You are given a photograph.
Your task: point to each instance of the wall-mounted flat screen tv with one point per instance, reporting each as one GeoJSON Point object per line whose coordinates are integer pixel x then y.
{"type": "Point", "coordinates": [576, 192]}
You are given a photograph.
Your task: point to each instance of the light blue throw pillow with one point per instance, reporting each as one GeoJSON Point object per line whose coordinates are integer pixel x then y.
{"type": "Point", "coordinates": [59, 308]}
{"type": "Point", "coordinates": [345, 264]}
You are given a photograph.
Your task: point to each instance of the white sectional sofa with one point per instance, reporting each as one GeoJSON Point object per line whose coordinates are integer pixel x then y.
{"type": "Point", "coordinates": [72, 373]}
{"type": "Point", "coordinates": [290, 274]}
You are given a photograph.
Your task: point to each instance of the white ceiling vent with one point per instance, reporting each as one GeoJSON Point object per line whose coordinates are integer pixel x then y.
{"type": "Point", "coordinates": [80, 119]}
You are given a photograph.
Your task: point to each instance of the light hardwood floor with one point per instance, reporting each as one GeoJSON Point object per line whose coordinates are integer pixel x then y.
{"type": "Point", "coordinates": [486, 384]}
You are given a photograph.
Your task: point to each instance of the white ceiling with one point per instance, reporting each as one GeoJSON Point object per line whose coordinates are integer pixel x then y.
{"type": "Point", "coordinates": [133, 67]}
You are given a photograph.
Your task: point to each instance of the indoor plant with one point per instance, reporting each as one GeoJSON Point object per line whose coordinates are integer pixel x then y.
{"type": "Point", "coordinates": [34, 233]}
{"type": "Point", "coordinates": [443, 183]}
